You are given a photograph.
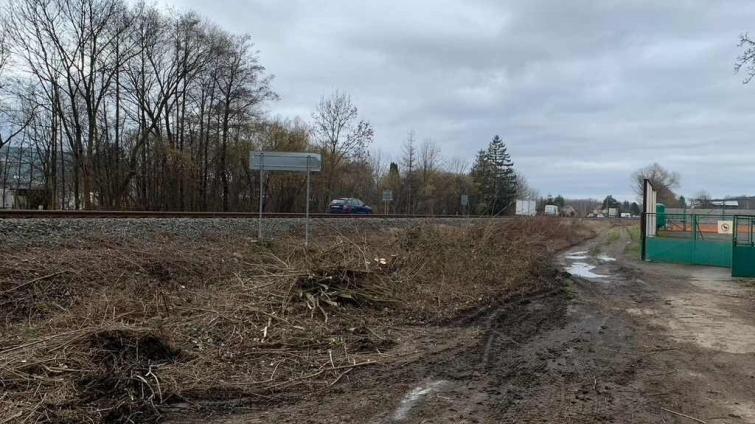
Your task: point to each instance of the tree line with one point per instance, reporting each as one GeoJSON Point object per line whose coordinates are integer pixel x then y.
{"type": "Point", "coordinates": [109, 104]}
{"type": "Point", "coordinates": [127, 106]}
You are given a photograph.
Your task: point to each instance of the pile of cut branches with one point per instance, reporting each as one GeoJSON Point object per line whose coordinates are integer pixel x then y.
{"type": "Point", "coordinates": [127, 329]}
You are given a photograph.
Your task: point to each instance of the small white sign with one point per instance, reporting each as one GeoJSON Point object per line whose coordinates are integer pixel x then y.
{"type": "Point", "coordinates": [387, 196]}
{"type": "Point", "coordinates": [725, 227]}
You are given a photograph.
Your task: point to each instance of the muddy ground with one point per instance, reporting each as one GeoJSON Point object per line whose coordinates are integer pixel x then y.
{"type": "Point", "coordinates": [619, 341]}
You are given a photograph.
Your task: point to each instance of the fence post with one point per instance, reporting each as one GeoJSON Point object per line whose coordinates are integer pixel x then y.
{"type": "Point", "coordinates": [695, 226]}
{"type": "Point", "coordinates": [643, 234]}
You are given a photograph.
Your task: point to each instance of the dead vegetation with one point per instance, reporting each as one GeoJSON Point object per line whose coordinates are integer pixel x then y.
{"type": "Point", "coordinates": [123, 331]}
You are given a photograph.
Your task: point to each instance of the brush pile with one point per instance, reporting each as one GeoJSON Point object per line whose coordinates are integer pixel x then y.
{"type": "Point", "coordinates": [123, 330]}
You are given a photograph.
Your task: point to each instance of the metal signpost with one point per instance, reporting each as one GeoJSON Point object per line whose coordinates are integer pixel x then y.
{"type": "Point", "coordinates": [286, 161]}
{"type": "Point", "coordinates": [387, 198]}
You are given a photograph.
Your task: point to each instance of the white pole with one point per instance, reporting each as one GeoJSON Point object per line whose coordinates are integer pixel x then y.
{"type": "Point", "coordinates": [306, 237]}
{"type": "Point", "coordinates": [259, 225]}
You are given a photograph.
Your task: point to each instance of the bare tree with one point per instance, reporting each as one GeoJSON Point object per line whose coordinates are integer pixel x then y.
{"type": "Point", "coordinates": [746, 60]}
{"type": "Point", "coordinates": [429, 159]}
{"type": "Point", "coordinates": [429, 156]}
{"type": "Point", "coordinates": [523, 188]}
{"type": "Point", "coordinates": [703, 200]}
{"type": "Point", "coordinates": [340, 134]}
{"type": "Point", "coordinates": [4, 54]}
{"type": "Point", "coordinates": [68, 46]}
{"type": "Point", "coordinates": [409, 163]}
{"type": "Point", "coordinates": [241, 90]}
{"type": "Point", "coordinates": [379, 170]}
{"type": "Point", "coordinates": [664, 182]}
{"type": "Point", "coordinates": [12, 123]}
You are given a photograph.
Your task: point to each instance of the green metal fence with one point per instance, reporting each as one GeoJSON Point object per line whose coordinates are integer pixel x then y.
{"type": "Point", "coordinates": [712, 240]}
{"type": "Point", "coordinates": [743, 255]}
{"type": "Point", "coordinates": [688, 239]}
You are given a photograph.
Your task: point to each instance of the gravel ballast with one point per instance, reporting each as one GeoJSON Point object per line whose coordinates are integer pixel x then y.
{"type": "Point", "coordinates": [43, 232]}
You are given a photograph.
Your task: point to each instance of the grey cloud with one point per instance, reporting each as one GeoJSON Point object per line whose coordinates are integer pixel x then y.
{"type": "Point", "coordinates": [583, 91]}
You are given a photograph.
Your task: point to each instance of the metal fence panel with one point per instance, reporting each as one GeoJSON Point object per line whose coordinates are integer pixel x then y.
{"type": "Point", "coordinates": [743, 260]}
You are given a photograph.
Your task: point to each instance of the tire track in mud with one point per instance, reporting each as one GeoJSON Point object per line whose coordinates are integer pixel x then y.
{"type": "Point", "coordinates": [463, 388]}
{"type": "Point", "coordinates": [562, 356]}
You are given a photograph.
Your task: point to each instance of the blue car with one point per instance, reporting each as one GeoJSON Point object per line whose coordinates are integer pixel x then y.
{"type": "Point", "coordinates": [349, 206]}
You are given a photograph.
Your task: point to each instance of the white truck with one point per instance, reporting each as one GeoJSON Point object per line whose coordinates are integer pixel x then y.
{"type": "Point", "coordinates": [551, 210]}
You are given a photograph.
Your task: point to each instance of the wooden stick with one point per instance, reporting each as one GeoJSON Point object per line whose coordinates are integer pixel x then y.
{"type": "Point", "coordinates": [20, 286]}
{"type": "Point", "coordinates": [36, 342]}
{"type": "Point", "coordinates": [684, 416]}
{"type": "Point", "coordinates": [340, 376]}
{"type": "Point", "coordinates": [9, 419]}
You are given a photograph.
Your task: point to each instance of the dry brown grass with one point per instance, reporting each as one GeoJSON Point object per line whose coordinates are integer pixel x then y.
{"type": "Point", "coordinates": [119, 331]}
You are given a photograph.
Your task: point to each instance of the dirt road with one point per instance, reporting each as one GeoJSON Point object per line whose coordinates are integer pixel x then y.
{"type": "Point", "coordinates": [624, 341]}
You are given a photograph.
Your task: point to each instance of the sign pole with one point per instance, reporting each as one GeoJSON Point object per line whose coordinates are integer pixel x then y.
{"type": "Point", "coordinates": [306, 225]}
{"type": "Point", "coordinates": [290, 162]}
{"type": "Point", "coordinates": [259, 225]}
{"type": "Point", "coordinates": [387, 199]}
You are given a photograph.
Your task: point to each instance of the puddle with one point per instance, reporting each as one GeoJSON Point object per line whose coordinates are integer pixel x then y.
{"type": "Point", "coordinates": [581, 269]}
{"type": "Point", "coordinates": [577, 256]}
{"type": "Point", "coordinates": [416, 395]}
{"type": "Point", "coordinates": [604, 258]}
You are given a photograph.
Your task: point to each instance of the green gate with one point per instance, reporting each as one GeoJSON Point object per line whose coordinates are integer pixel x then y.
{"type": "Point", "coordinates": [743, 258]}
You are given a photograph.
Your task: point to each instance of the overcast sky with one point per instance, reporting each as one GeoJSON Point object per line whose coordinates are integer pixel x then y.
{"type": "Point", "coordinates": [583, 92]}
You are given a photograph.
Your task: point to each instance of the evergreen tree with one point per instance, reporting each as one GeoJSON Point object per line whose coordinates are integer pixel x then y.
{"type": "Point", "coordinates": [393, 171]}
{"type": "Point", "coordinates": [493, 173]}
{"type": "Point", "coordinates": [394, 185]}
{"type": "Point", "coordinates": [682, 202]}
{"type": "Point", "coordinates": [559, 201]}
{"type": "Point", "coordinates": [610, 202]}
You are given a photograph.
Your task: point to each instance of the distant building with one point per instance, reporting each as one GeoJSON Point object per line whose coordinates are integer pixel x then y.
{"type": "Point", "coordinates": [742, 202]}
{"type": "Point", "coordinates": [725, 204]}
{"type": "Point", "coordinates": [28, 198]}
{"type": "Point", "coordinates": [21, 178]}
{"type": "Point", "coordinates": [6, 198]}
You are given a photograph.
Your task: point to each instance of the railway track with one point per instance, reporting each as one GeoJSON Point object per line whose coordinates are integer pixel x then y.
{"type": "Point", "coordinates": [67, 214]}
